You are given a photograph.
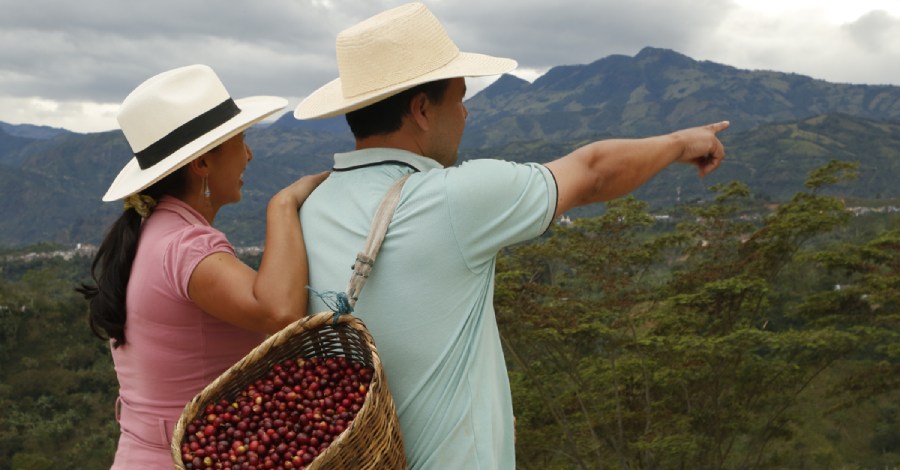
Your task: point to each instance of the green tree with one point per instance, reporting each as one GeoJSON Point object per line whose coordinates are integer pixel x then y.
{"type": "Point", "coordinates": [57, 384]}
{"type": "Point", "coordinates": [865, 301]}
{"type": "Point", "coordinates": [635, 349]}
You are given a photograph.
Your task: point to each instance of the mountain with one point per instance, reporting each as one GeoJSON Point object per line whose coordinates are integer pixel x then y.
{"type": "Point", "coordinates": [775, 159]}
{"type": "Point", "coordinates": [658, 90]}
{"type": "Point", "coordinates": [14, 137]}
{"type": "Point", "coordinates": [783, 125]}
{"type": "Point", "coordinates": [9, 145]}
{"type": "Point", "coordinates": [29, 131]}
{"type": "Point", "coordinates": [50, 189]}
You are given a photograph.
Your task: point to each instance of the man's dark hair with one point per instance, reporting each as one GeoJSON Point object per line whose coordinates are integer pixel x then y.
{"type": "Point", "coordinates": [386, 116]}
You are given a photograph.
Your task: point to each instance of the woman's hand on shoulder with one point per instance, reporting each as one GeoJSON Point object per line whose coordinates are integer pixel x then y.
{"type": "Point", "coordinates": [299, 190]}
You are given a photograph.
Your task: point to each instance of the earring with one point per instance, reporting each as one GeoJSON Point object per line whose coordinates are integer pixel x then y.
{"type": "Point", "coordinates": [206, 192]}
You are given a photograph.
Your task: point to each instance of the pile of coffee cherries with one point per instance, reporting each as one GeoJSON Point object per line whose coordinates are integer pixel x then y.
{"type": "Point", "coordinates": [282, 421]}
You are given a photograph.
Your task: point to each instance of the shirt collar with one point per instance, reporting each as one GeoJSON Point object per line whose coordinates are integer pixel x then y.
{"type": "Point", "coordinates": [378, 156]}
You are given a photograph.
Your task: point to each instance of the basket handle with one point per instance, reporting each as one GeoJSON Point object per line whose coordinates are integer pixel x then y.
{"type": "Point", "coordinates": [365, 259]}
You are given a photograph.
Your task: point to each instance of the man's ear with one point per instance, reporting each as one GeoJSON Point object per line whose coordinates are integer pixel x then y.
{"type": "Point", "coordinates": [419, 110]}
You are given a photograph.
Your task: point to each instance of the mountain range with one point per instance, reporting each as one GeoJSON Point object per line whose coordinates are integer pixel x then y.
{"type": "Point", "coordinates": [782, 126]}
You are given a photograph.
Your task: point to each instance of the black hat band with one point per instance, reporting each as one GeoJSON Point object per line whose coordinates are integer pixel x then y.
{"type": "Point", "coordinates": [187, 133]}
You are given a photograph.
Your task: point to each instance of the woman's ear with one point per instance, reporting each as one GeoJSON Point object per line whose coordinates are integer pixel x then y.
{"type": "Point", "coordinates": [199, 166]}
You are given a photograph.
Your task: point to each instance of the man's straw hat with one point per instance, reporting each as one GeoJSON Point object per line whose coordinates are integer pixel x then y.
{"type": "Point", "coordinates": [391, 52]}
{"type": "Point", "coordinates": [176, 116]}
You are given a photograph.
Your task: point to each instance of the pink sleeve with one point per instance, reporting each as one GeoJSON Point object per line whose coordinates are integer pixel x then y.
{"type": "Point", "coordinates": [185, 252]}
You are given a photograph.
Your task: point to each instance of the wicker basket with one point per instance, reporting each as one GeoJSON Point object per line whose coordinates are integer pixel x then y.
{"type": "Point", "coordinates": [372, 441]}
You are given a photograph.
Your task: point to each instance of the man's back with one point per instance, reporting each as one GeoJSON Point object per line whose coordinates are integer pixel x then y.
{"type": "Point", "coordinates": [429, 300]}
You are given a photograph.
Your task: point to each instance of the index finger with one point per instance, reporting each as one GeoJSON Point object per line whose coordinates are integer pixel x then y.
{"type": "Point", "coordinates": [719, 126]}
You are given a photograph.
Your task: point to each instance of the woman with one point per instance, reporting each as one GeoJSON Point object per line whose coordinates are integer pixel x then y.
{"type": "Point", "coordinates": [176, 304]}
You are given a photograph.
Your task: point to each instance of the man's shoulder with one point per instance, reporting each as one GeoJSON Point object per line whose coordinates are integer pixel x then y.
{"type": "Point", "coordinates": [495, 163]}
{"type": "Point", "coordinates": [500, 174]}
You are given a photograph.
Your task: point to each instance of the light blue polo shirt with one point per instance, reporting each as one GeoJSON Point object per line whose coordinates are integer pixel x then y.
{"type": "Point", "coordinates": [429, 299]}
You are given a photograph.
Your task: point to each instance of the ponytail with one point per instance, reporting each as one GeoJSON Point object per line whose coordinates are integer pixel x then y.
{"type": "Point", "coordinates": [111, 270]}
{"type": "Point", "coordinates": [111, 267]}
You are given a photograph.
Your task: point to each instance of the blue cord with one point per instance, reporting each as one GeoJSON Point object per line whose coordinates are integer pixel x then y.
{"type": "Point", "coordinates": [337, 302]}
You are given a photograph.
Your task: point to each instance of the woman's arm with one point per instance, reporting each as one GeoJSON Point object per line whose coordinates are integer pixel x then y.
{"type": "Point", "coordinates": [268, 300]}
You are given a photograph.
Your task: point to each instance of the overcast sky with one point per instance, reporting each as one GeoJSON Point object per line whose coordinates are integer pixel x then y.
{"type": "Point", "coordinates": [69, 63]}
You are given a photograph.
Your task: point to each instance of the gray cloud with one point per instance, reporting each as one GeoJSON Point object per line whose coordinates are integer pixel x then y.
{"type": "Point", "coordinates": [99, 50]}
{"type": "Point", "coordinates": [541, 34]}
{"type": "Point", "coordinates": [875, 31]}
{"type": "Point", "coordinates": [59, 58]}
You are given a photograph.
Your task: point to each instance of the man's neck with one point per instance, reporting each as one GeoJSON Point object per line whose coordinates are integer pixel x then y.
{"type": "Point", "coordinates": [409, 138]}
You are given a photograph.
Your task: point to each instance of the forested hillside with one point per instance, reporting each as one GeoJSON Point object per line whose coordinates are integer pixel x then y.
{"type": "Point", "coordinates": [738, 337]}
{"type": "Point", "coordinates": [731, 335]}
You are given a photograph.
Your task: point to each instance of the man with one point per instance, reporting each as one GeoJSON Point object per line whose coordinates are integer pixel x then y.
{"type": "Point", "coordinates": [429, 300]}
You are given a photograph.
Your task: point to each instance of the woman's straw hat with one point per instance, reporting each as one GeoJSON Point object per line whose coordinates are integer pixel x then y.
{"type": "Point", "coordinates": [391, 52]}
{"type": "Point", "coordinates": [176, 116]}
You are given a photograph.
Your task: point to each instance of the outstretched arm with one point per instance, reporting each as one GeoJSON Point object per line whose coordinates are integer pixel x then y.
{"type": "Point", "coordinates": [268, 300]}
{"type": "Point", "coordinates": [608, 169]}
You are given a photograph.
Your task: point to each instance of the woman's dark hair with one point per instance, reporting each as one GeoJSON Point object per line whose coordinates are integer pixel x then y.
{"type": "Point", "coordinates": [386, 116]}
{"type": "Point", "coordinates": [111, 267]}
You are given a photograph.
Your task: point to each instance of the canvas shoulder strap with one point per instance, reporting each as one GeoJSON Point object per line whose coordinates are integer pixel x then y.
{"type": "Point", "coordinates": [365, 259]}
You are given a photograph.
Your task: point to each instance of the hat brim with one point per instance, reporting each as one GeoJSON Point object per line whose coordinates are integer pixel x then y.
{"type": "Point", "coordinates": [132, 179]}
{"type": "Point", "coordinates": [329, 101]}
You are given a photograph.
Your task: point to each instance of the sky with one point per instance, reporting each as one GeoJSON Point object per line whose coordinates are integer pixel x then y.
{"type": "Point", "coordinates": [68, 64]}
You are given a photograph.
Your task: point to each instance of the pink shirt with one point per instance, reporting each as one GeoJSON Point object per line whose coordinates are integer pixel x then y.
{"type": "Point", "coordinates": [172, 348]}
